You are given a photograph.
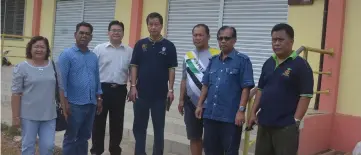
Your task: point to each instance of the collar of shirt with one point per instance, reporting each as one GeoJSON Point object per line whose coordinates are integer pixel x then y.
{"type": "Point", "coordinates": [111, 45]}
{"type": "Point", "coordinates": [76, 48]}
{"type": "Point", "coordinates": [292, 57]}
{"type": "Point", "coordinates": [156, 41]}
{"type": "Point", "coordinates": [231, 55]}
{"type": "Point", "coordinates": [204, 50]}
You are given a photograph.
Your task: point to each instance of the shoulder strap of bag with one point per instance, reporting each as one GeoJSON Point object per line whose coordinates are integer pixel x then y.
{"type": "Point", "coordinates": [57, 97]}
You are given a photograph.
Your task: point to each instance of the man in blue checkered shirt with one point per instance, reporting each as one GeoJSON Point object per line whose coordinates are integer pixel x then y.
{"type": "Point", "coordinates": [80, 91]}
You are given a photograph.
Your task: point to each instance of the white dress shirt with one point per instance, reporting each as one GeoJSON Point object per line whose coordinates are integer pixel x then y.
{"type": "Point", "coordinates": [113, 62]}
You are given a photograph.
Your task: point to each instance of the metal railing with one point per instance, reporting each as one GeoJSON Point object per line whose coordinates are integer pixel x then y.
{"type": "Point", "coordinates": [329, 52]}
{"type": "Point", "coordinates": [305, 50]}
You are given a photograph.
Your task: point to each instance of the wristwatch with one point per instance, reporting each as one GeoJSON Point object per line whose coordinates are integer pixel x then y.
{"type": "Point", "coordinates": [242, 109]}
{"type": "Point", "coordinates": [170, 90]}
{"type": "Point", "coordinates": [99, 99]}
{"type": "Point", "coordinates": [298, 122]}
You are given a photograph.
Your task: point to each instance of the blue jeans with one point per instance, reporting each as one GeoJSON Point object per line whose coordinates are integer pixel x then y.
{"type": "Point", "coordinates": [141, 116]}
{"type": "Point", "coordinates": [29, 131]}
{"type": "Point", "coordinates": [78, 132]}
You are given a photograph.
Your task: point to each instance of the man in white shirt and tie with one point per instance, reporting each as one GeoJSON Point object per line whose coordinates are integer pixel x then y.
{"type": "Point", "coordinates": [114, 59]}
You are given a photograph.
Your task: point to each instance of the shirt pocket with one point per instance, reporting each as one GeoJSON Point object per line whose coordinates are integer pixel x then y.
{"type": "Point", "coordinates": [77, 64]}
{"type": "Point", "coordinates": [233, 77]}
{"type": "Point", "coordinates": [213, 76]}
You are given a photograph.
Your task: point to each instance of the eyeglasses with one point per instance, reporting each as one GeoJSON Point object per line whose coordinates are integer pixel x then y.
{"type": "Point", "coordinates": [225, 38]}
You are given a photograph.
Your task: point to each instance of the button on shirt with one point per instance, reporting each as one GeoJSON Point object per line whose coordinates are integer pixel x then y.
{"type": "Point", "coordinates": [225, 80]}
{"type": "Point", "coordinates": [80, 76]}
{"type": "Point", "coordinates": [113, 62]}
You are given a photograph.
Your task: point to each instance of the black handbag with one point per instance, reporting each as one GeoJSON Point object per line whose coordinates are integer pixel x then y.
{"type": "Point", "coordinates": [60, 119]}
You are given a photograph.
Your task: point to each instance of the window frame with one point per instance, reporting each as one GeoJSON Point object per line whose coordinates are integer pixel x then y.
{"type": "Point", "coordinates": [16, 16]}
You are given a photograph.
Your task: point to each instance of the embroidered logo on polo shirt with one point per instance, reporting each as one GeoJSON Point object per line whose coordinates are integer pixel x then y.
{"type": "Point", "coordinates": [144, 47]}
{"type": "Point", "coordinates": [287, 72]}
{"type": "Point", "coordinates": [163, 51]}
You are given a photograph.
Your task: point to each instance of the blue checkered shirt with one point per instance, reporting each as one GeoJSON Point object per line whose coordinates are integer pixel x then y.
{"type": "Point", "coordinates": [79, 73]}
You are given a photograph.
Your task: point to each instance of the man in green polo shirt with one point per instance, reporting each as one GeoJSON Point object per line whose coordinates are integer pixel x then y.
{"type": "Point", "coordinates": [285, 90]}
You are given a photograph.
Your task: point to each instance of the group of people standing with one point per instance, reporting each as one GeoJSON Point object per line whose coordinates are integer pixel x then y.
{"type": "Point", "coordinates": [213, 96]}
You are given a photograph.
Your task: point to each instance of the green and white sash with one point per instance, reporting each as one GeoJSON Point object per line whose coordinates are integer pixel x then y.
{"type": "Point", "coordinates": [195, 69]}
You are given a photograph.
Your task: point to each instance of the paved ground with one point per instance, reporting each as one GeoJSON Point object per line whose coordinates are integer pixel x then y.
{"type": "Point", "coordinates": [172, 147]}
{"type": "Point", "coordinates": [176, 142]}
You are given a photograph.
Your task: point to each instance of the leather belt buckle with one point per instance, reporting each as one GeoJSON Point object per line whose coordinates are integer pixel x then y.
{"type": "Point", "coordinates": [113, 85]}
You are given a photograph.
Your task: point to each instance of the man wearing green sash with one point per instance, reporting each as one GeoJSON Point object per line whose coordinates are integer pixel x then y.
{"type": "Point", "coordinates": [195, 63]}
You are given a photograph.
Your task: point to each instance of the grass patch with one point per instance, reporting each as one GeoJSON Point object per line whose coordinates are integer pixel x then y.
{"type": "Point", "coordinates": [11, 147]}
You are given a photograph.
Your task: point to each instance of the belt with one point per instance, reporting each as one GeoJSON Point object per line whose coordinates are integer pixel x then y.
{"type": "Point", "coordinates": [113, 85]}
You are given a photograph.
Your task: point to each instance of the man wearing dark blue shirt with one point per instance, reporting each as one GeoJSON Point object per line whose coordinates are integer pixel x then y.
{"type": "Point", "coordinates": [81, 91]}
{"type": "Point", "coordinates": [285, 90]}
{"type": "Point", "coordinates": [226, 86]}
{"type": "Point", "coordinates": [152, 78]}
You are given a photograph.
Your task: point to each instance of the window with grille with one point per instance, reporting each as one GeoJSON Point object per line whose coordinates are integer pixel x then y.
{"type": "Point", "coordinates": [12, 17]}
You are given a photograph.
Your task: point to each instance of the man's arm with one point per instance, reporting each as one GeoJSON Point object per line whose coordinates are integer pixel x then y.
{"type": "Point", "coordinates": [203, 96]}
{"type": "Point", "coordinates": [205, 82]}
{"type": "Point", "coordinates": [97, 77]}
{"type": "Point", "coordinates": [306, 89]}
{"type": "Point", "coordinates": [258, 95]}
{"type": "Point", "coordinates": [172, 64]}
{"type": "Point", "coordinates": [247, 82]}
{"type": "Point", "coordinates": [183, 82]}
{"type": "Point", "coordinates": [64, 68]}
{"type": "Point", "coordinates": [134, 63]}
{"type": "Point", "coordinates": [130, 50]}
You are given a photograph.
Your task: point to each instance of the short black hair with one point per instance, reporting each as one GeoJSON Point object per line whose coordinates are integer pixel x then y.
{"type": "Point", "coordinates": [234, 31]}
{"type": "Point", "coordinates": [84, 24]}
{"type": "Point", "coordinates": [154, 15]}
{"type": "Point", "coordinates": [116, 22]}
{"type": "Point", "coordinates": [202, 25]}
{"type": "Point", "coordinates": [32, 41]}
{"type": "Point", "coordinates": [287, 28]}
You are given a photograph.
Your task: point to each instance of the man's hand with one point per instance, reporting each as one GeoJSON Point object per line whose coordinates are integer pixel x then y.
{"type": "Point", "coordinates": [16, 122]}
{"type": "Point", "coordinates": [133, 94]}
{"type": "Point", "coordinates": [181, 107]}
{"type": "Point", "coordinates": [252, 120]}
{"type": "Point", "coordinates": [66, 110]}
{"type": "Point", "coordinates": [170, 96]}
{"type": "Point", "coordinates": [240, 118]}
{"type": "Point", "coordinates": [199, 112]}
{"type": "Point", "coordinates": [99, 106]}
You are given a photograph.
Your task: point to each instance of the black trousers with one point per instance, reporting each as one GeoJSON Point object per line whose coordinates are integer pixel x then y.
{"type": "Point", "coordinates": [114, 97]}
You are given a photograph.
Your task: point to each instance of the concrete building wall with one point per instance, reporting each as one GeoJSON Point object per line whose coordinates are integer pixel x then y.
{"type": "Point", "coordinates": [347, 123]}
{"type": "Point", "coordinates": [350, 73]}
{"type": "Point", "coordinates": [338, 128]}
{"type": "Point", "coordinates": [123, 14]}
{"type": "Point", "coordinates": [307, 23]}
{"type": "Point", "coordinates": [47, 20]}
{"type": "Point", "coordinates": [19, 51]}
{"type": "Point", "coordinates": [160, 6]}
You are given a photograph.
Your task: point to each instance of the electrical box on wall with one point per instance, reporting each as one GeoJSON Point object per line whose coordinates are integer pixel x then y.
{"type": "Point", "coordinates": [300, 2]}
